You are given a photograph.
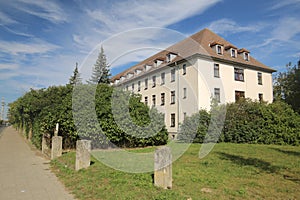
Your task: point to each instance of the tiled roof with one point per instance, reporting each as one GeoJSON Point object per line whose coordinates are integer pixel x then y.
{"type": "Point", "coordinates": [200, 43]}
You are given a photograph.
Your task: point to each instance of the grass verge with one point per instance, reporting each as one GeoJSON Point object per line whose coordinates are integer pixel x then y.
{"type": "Point", "coordinates": [230, 171]}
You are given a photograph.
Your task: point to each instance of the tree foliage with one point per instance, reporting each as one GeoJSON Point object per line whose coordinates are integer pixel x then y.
{"type": "Point", "coordinates": [287, 86]}
{"type": "Point", "coordinates": [101, 71]}
{"type": "Point", "coordinates": [75, 79]}
{"type": "Point", "coordinates": [38, 111]}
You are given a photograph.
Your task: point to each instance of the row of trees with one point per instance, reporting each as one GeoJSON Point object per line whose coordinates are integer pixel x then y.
{"type": "Point", "coordinates": [85, 111]}
{"type": "Point", "coordinates": [38, 111]}
{"type": "Point", "coordinates": [246, 122]}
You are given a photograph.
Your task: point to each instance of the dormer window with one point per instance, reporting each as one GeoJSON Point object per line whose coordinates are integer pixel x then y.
{"type": "Point", "coordinates": [233, 52]}
{"type": "Point", "coordinates": [219, 49]}
{"type": "Point", "coordinates": [246, 56]}
{"type": "Point", "coordinates": [138, 71]}
{"type": "Point", "coordinates": [147, 67]}
{"type": "Point", "coordinates": [116, 81]}
{"type": "Point", "coordinates": [158, 62]}
{"type": "Point", "coordinates": [122, 78]}
{"type": "Point", "coordinates": [170, 57]}
{"type": "Point", "coordinates": [129, 75]}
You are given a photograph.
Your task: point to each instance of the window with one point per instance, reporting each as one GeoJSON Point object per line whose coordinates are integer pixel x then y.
{"type": "Point", "coordinates": [217, 95]}
{"type": "Point", "coordinates": [153, 81]}
{"type": "Point", "coordinates": [238, 74]}
{"type": "Point", "coordinates": [173, 120]}
{"type": "Point", "coordinates": [259, 78]}
{"type": "Point", "coordinates": [184, 69]}
{"type": "Point", "coordinates": [172, 97]}
{"type": "Point", "coordinates": [162, 99]}
{"type": "Point", "coordinates": [172, 75]}
{"type": "Point", "coordinates": [216, 70]}
{"type": "Point", "coordinates": [132, 87]}
{"type": "Point", "coordinates": [233, 53]}
{"type": "Point", "coordinates": [168, 58]}
{"type": "Point", "coordinates": [153, 100]}
{"type": "Point", "coordinates": [219, 49]}
{"type": "Point", "coordinates": [146, 84]}
{"type": "Point", "coordinates": [163, 78]}
{"type": "Point", "coordinates": [246, 56]}
{"type": "Point", "coordinates": [239, 95]}
{"type": "Point", "coordinates": [184, 93]}
{"type": "Point", "coordinates": [139, 86]}
{"type": "Point", "coordinates": [146, 101]}
{"type": "Point", "coordinates": [260, 97]}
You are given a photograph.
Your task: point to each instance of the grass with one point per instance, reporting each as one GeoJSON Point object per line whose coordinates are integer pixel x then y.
{"type": "Point", "coordinates": [230, 171]}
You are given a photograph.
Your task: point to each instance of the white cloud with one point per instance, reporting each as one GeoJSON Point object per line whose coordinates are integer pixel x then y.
{"type": "Point", "coordinates": [285, 3]}
{"type": "Point", "coordinates": [228, 26]}
{"type": "Point", "coordinates": [15, 32]}
{"type": "Point", "coordinates": [283, 33]}
{"type": "Point", "coordinates": [48, 10]}
{"type": "Point", "coordinates": [9, 66]}
{"type": "Point", "coordinates": [5, 19]}
{"type": "Point", "coordinates": [127, 15]}
{"type": "Point", "coordinates": [35, 47]}
{"type": "Point", "coordinates": [133, 14]}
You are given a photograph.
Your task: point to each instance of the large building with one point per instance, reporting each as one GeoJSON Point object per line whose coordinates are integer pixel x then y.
{"type": "Point", "coordinates": [186, 77]}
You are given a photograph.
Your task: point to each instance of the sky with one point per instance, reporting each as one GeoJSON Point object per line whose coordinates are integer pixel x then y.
{"type": "Point", "coordinates": [41, 41]}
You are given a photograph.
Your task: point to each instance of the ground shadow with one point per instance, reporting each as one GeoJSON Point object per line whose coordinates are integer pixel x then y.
{"type": "Point", "coordinates": [92, 162]}
{"type": "Point", "coordinates": [255, 162]}
{"type": "Point", "coordinates": [152, 176]}
{"type": "Point", "coordinates": [288, 152]}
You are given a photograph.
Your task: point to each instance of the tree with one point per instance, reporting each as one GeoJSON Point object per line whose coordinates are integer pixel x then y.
{"type": "Point", "coordinates": [75, 78]}
{"type": "Point", "coordinates": [101, 71]}
{"type": "Point", "coordinates": [287, 86]}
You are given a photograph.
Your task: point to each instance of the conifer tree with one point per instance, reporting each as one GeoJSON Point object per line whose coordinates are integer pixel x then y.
{"type": "Point", "coordinates": [101, 71]}
{"type": "Point", "coordinates": [75, 78]}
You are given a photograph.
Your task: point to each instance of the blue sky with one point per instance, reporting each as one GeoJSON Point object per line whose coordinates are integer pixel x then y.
{"type": "Point", "coordinates": [40, 41]}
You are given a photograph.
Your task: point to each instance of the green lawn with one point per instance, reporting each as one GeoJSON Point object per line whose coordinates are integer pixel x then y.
{"type": "Point", "coordinates": [230, 171]}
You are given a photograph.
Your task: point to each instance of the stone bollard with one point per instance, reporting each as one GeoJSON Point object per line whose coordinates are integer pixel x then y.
{"type": "Point", "coordinates": [83, 158]}
{"type": "Point", "coordinates": [56, 149]}
{"type": "Point", "coordinates": [44, 144]}
{"type": "Point", "coordinates": [163, 167]}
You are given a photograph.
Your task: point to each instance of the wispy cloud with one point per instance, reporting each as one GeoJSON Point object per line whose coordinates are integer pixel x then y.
{"type": "Point", "coordinates": [134, 14]}
{"type": "Point", "coordinates": [126, 15]}
{"type": "Point", "coordinates": [228, 26]}
{"type": "Point", "coordinates": [282, 34]}
{"type": "Point", "coordinates": [281, 4]}
{"type": "Point", "coordinates": [5, 19]}
{"type": "Point", "coordinates": [47, 10]}
{"type": "Point", "coordinates": [36, 46]}
{"type": "Point", "coordinates": [9, 66]}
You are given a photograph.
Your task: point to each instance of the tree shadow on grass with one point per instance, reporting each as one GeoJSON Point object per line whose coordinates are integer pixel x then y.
{"type": "Point", "coordinates": [288, 152]}
{"type": "Point", "coordinates": [255, 162]}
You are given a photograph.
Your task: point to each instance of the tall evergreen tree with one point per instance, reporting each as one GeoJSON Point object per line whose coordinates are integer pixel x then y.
{"type": "Point", "coordinates": [101, 71]}
{"type": "Point", "coordinates": [75, 78]}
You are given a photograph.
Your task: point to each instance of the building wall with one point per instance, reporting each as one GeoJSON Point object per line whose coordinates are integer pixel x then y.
{"type": "Point", "coordinates": [200, 83]}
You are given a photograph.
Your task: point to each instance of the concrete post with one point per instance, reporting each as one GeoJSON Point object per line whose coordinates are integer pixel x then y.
{"type": "Point", "coordinates": [83, 149]}
{"type": "Point", "coordinates": [163, 167]}
{"type": "Point", "coordinates": [44, 144]}
{"type": "Point", "coordinates": [56, 150]}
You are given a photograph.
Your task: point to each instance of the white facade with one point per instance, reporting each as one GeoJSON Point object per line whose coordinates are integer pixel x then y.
{"type": "Point", "coordinates": [179, 87]}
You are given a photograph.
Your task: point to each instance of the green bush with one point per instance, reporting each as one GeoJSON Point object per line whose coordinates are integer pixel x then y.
{"type": "Point", "coordinates": [247, 122]}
